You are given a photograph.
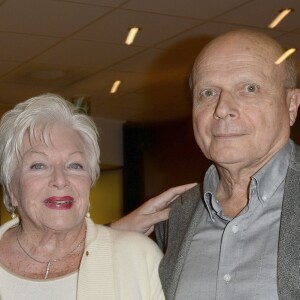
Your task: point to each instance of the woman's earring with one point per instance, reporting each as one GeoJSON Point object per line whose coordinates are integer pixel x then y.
{"type": "Point", "coordinates": [13, 215]}
{"type": "Point", "coordinates": [88, 215]}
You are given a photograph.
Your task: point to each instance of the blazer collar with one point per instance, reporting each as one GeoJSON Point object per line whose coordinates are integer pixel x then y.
{"type": "Point", "coordinates": [288, 268]}
{"type": "Point", "coordinates": [185, 212]}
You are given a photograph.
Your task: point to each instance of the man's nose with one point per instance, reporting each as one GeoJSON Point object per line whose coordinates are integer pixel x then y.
{"type": "Point", "coordinates": [226, 107]}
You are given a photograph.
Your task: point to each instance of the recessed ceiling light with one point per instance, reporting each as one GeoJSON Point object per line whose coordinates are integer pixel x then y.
{"type": "Point", "coordinates": [285, 55]}
{"type": "Point", "coordinates": [282, 14]}
{"type": "Point", "coordinates": [132, 35]}
{"type": "Point", "coordinates": [48, 74]}
{"type": "Point", "coordinates": [115, 86]}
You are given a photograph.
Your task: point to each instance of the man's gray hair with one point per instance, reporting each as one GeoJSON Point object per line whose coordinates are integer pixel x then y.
{"type": "Point", "coordinates": [36, 113]}
{"type": "Point", "coordinates": [291, 73]}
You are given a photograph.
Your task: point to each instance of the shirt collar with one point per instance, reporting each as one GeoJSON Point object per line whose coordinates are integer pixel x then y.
{"type": "Point", "coordinates": [210, 184]}
{"type": "Point", "coordinates": [268, 178]}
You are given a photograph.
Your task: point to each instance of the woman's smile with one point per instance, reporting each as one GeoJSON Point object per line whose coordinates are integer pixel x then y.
{"type": "Point", "coordinates": [65, 202]}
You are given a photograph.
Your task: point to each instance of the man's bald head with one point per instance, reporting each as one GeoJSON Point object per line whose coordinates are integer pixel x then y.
{"type": "Point", "coordinates": [248, 40]}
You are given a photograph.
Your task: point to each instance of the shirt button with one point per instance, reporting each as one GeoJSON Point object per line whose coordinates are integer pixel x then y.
{"type": "Point", "coordinates": [235, 228]}
{"type": "Point", "coordinates": [227, 277]}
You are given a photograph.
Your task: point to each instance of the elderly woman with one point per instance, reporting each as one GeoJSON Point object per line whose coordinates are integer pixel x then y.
{"type": "Point", "coordinates": [49, 158]}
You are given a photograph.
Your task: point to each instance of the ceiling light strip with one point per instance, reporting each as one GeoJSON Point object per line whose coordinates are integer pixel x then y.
{"type": "Point", "coordinates": [132, 35]}
{"type": "Point", "coordinates": [285, 55]}
{"type": "Point", "coordinates": [115, 86]}
{"type": "Point", "coordinates": [282, 14]}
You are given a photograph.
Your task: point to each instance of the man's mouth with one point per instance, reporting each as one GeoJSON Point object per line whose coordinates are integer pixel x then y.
{"type": "Point", "coordinates": [227, 135]}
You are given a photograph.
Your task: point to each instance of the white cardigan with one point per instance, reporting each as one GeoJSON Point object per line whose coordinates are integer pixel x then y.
{"type": "Point", "coordinates": [116, 265]}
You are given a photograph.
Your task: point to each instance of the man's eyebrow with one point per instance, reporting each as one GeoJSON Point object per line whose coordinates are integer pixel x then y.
{"type": "Point", "coordinates": [204, 83]}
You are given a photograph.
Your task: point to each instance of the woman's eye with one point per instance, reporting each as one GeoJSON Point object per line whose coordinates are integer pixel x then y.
{"type": "Point", "coordinates": [38, 166]}
{"type": "Point", "coordinates": [76, 166]}
{"type": "Point", "coordinates": [251, 88]}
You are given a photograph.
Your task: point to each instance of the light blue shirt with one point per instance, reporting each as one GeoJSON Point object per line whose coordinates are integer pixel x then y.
{"type": "Point", "coordinates": [235, 259]}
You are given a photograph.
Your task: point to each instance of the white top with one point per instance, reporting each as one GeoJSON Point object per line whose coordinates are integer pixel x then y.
{"type": "Point", "coordinates": [116, 265]}
{"type": "Point", "coordinates": [16, 287]}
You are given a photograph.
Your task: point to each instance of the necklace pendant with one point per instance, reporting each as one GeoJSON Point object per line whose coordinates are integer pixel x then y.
{"type": "Point", "coordinates": [47, 269]}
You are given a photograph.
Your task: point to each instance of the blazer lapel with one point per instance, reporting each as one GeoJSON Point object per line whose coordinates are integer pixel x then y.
{"type": "Point", "coordinates": [288, 269]}
{"type": "Point", "coordinates": [184, 217]}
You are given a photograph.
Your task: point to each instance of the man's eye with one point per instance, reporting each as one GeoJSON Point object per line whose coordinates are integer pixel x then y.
{"type": "Point", "coordinates": [76, 166]}
{"type": "Point", "coordinates": [208, 93]}
{"type": "Point", "coordinates": [251, 88]}
{"type": "Point", "coordinates": [38, 166]}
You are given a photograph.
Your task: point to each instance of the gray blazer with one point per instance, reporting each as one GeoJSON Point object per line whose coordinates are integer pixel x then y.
{"type": "Point", "coordinates": [175, 235]}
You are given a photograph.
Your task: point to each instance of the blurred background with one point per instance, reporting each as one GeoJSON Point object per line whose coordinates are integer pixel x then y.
{"type": "Point", "coordinates": [76, 48]}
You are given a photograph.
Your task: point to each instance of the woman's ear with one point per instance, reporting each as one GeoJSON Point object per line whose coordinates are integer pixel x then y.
{"type": "Point", "coordinates": [294, 105]}
{"type": "Point", "coordinates": [12, 197]}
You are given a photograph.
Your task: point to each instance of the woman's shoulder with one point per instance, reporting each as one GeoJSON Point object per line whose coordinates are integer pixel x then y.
{"type": "Point", "coordinates": [123, 243]}
{"type": "Point", "coordinates": [6, 226]}
{"type": "Point", "coordinates": [124, 236]}
{"type": "Point", "coordinates": [130, 240]}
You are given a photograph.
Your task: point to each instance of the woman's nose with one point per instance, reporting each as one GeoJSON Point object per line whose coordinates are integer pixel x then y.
{"type": "Point", "coordinates": [59, 178]}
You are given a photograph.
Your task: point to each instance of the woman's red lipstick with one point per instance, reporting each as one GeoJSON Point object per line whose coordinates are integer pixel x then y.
{"type": "Point", "coordinates": [55, 202]}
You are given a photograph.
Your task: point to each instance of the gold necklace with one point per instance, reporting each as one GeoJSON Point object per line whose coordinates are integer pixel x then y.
{"type": "Point", "coordinates": [52, 260]}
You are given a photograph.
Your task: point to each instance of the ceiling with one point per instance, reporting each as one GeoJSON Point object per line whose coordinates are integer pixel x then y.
{"type": "Point", "coordinates": [82, 41]}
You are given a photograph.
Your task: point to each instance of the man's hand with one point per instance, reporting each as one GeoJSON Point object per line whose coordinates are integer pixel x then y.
{"type": "Point", "coordinates": [151, 212]}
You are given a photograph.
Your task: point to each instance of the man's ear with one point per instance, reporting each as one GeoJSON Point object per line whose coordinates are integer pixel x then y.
{"type": "Point", "coordinates": [294, 104]}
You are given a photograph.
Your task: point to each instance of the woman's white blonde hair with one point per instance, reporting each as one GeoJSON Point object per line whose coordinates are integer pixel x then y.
{"type": "Point", "coordinates": [28, 116]}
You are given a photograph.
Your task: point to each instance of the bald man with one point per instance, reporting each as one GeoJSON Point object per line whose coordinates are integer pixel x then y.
{"type": "Point", "coordinates": [237, 235]}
